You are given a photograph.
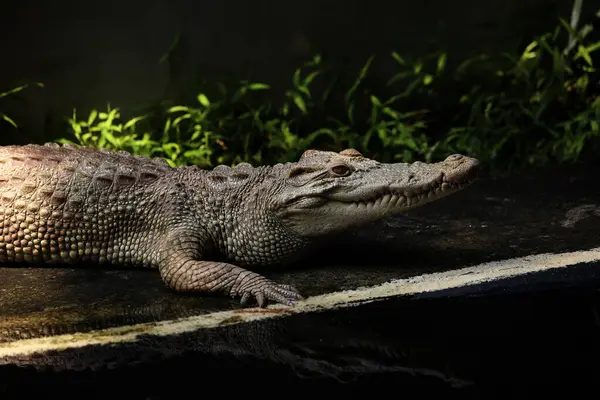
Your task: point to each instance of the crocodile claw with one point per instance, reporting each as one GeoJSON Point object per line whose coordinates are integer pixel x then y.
{"type": "Point", "coordinates": [266, 290]}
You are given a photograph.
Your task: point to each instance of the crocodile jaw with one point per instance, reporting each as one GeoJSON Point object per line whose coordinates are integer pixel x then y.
{"type": "Point", "coordinates": [341, 210]}
{"type": "Point", "coordinates": [334, 216]}
{"type": "Point", "coordinates": [391, 201]}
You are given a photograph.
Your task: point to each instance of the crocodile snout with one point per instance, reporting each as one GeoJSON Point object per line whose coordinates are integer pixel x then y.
{"type": "Point", "coordinates": [458, 168]}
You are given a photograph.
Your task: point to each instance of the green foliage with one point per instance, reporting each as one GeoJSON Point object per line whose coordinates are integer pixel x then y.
{"type": "Point", "coordinates": [104, 130]}
{"type": "Point", "coordinates": [537, 107]}
{"type": "Point", "coordinates": [11, 92]}
{"type": "Point", "coordinates": [247, 126]}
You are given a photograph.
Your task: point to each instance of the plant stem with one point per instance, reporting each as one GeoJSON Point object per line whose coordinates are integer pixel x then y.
{"type": "Point", "coordinates": [575, 14]}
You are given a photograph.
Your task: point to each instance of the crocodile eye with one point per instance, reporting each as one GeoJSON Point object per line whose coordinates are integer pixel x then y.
{"type": "Point", "coordinates": [340, 170]}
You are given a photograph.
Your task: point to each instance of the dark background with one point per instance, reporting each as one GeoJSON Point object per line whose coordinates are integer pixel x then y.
{"type": "Point", "coordinates": [90, 53]}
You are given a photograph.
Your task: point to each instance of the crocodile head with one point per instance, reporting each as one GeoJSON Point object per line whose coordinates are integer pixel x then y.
{"type": "Point", "coordinates": [327, 192]}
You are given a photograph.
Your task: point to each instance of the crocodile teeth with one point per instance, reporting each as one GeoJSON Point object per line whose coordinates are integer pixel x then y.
{"type": "Point", "coordinates": [410, 197]}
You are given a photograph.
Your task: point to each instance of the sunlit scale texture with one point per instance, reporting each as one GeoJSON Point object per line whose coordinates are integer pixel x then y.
{"type": "Point", "coordinates": [67, 205]}
{"type": "Point", "coordinates": [62, 207]}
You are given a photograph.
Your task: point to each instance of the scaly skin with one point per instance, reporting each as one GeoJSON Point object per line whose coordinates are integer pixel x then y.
{"type": "Point", "coordinates": [66, 205]}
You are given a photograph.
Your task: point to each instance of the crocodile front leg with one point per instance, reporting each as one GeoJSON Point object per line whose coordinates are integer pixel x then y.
{"type": "Point", "coordinates": [185, 274]}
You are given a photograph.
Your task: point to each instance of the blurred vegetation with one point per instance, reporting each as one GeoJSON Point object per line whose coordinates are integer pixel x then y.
{"type": "Point", "coordinates": [5, 118]}
{"type": "Point", "coordinates": [528, 109]}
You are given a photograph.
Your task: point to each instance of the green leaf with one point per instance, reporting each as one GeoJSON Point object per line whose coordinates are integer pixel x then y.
{"type": "Point", "coordinates": [171, 149]}
{"type": "Point", "coordinates": [569, 29]}
{"type": "Point", "coordinates": [350, 112]}
{"type": "Point", "coordinates": [133, 121]}
{"type": "Point", "coordinates": [111, 116]}
{"type": "Point", "coordinates": [76, 128]}
{"type": "Point", "coordinates": [18, 89]}
{"type": "Point", "coordinates": [391, 113]}
{"type": "Point", "coordinates": [239, 94]}
{"type": "Point", "coordinates": [92, 117]}
{"type": "Point", "coordinates": [197, 132]}
{"type": "Point", "coordinates": [258, 86]}
{"type": "Point", "coordinates": [582, 52]}
{"type": "Point", "coordinates": [392, 100]}
{"type": "Point", "coordinates": [178, 109]}
{"type": "Point", "coordinates": [382, 133]}
{"type": "Point", "coordinates": [304, 90]}
{"type": "Point", "coordinates": [110, 137]}
{"type": "Point", "coordinates": [441, 63]}
{"type": "Point", "coordinates": [8, 119]}
{"type": "Point", "coordinates": [296, 77]}
{"type": "Point", "coordinates": [398, 58]}
{"type": "Point", "coordinates": [178, 120]}
{"type": "Point", "coordinates": [311, 77]}
{"type": "Point", "coordinates": [203, 100]}
{"type": "Point", "coordinates": [462, 68]}
{"type": "Point", "coordinates": [362, 75]}
{"type": "Point", "coordinates": [319, 132]}
{"type": "Point", "coordinates": [558, 65]}
{"type": "Point", "coordinates": [529, 52]}
{"type": "Point", "coordinates": [167, 127]}
{"type": "Point", "coordinates": [427, 79]}
{"type": "Point", "coordinates": [399, 76]}
{"type": "Point", "coordinates": [593, 47]}
{"type": "Point", "coordinates": [409, 89]}
{"type": "Point", "coordinates": [299, 101]}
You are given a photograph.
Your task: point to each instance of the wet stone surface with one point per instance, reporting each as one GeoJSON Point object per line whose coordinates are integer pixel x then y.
{"type": "Point", "coordinates": [483, 346]}
{"type": "Point", "coordinates": [552, 210]}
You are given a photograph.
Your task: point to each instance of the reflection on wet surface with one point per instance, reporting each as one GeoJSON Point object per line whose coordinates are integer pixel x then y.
{"type": "Point", "coordinates": [463, 343]}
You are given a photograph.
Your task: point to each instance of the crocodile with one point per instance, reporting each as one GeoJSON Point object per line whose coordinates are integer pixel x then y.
{"type": "Point", "coordinates": [202, 229]}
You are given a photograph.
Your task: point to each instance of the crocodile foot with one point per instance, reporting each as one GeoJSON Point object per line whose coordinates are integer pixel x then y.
{"type": "Point", "coordinates": [264, 289]}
